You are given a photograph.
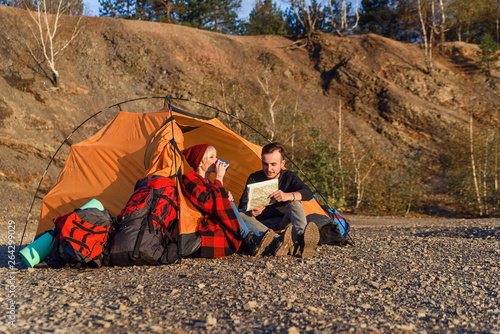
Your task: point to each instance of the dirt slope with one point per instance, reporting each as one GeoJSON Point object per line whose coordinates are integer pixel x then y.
{"type": "Point", "coordinates": [386, 95]}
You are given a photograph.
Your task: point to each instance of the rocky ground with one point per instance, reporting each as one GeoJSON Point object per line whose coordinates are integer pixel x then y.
{"type": "Point", "coordinates": [403, 276]}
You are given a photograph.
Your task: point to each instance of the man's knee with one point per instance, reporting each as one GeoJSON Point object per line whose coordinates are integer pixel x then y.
{"type": "Point", "coordinates": [295, 213]}
{"type": "Point", "coordinates": [295, 207]}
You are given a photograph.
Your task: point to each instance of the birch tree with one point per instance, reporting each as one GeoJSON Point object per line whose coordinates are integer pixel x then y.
{"type": "Point", "coordinates": [427, 34]}
{"type": "Point", "coordinates": [305, 16]}
{"type": "Point", "coordinates": [340, 21]}
{"type": "Point", "coordinates": [360, 177]}
{"type": "Point", "coordinates": [46, 31]}
{"type": "Point", "coordinates": [439, 25]}
{"type": "Point", "coordinates": [473, 165]}
{"type": "Point", "coordinates": [339, 150]}
{"type": "Point", "coordinates": [271, 100]}
{"type": "Point", "coordinates": [496, 167]}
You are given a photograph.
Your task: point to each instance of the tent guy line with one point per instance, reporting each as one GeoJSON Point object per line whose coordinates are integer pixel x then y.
{"type": "Point", "coordinates": [167, 99]}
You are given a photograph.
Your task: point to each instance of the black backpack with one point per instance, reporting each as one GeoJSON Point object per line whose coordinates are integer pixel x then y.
{"type": "Point", "coordinates": [143, 234]}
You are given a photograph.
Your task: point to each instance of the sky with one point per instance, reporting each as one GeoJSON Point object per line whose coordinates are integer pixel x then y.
{"type": "Point", "coordinates": [246, 7]}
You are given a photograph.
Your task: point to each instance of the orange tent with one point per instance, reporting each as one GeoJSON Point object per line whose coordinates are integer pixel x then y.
{"type": "Point", "coordinates": [107, 165]}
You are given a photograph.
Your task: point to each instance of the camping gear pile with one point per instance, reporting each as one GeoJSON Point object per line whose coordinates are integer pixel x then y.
{"type": "Point", "coordinates": [151, 218]}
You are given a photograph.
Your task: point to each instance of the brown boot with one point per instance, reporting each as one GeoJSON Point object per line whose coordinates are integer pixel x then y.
{"type": "Point", "coordinates": [281, 245]}
{"type": "Point", "coordinates": [257, 245]}
{"type": "Point", "coordinates": [309, 240]}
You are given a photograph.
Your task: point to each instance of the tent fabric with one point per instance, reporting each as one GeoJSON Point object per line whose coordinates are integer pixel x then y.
{"type": "Point", "coordinates": [107, 165]}
{"type": "Point", "coordinates": [160, 150]}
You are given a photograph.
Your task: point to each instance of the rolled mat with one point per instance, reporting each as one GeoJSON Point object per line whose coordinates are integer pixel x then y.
{"type": "Point", "coordinates": [41, 247]}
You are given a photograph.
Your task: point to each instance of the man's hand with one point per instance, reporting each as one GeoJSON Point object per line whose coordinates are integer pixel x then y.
{"type": "Point", "coordinates": [280, 196]}
{"type": "Point", "coordinates": [258, 211]}
{"type": "Point", "coordinates": [230, 196]}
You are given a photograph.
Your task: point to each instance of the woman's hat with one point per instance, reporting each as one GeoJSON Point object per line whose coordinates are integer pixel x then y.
{"type": "Point", "coordinates": [194, 154]}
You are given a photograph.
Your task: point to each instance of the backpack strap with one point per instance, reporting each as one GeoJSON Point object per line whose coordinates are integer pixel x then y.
{"type": "Point", "coordinates": [138, 242]}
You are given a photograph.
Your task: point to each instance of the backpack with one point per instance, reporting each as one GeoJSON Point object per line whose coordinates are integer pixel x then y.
{"type": "Point", "coordinates": [334, 215]}
{"type": "Point", "coordinates": [333, 228]}
{"type": "Point", "coordinates": [81, 238]}
{"type": "Point", "coordinates": [143, 234]}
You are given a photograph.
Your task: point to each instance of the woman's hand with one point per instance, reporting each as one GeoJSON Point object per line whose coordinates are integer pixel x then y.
{"type": "Point", "coordinates": [220, 170]}
{"type": "Point", "coordinates": [230, 196]}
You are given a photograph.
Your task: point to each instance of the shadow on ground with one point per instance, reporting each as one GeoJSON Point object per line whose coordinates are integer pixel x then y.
{"type": "Point", "coordinates": [464, 233]}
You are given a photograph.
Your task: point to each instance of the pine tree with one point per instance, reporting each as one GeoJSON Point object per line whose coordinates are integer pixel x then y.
{"type": "Point", "coordinates": [488, 54]}
{"type": "Point", "coordinates": [265, 19]}
{"type": "Point", "coordinates": [320, 19]}
{"type": "Point", "coordinates": [159, 10]}
{"type": "Point", "coordinates": [214, 15]}
{"type": "Point", "coordinates": [69, 7]}
{"type": "Point", "coordinates": [378, 17]}
{"type": "Point", "coordinates": [125, 9]}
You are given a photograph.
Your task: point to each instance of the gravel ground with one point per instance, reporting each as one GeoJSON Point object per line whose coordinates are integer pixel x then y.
{"type": "Point", "coordinates": [403, 276]}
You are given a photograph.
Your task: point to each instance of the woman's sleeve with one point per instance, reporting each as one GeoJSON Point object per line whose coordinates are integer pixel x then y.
{"type": "Point", "coordinates": [198, 193]}
{"type": "Point", "coordinates": [219, 190]}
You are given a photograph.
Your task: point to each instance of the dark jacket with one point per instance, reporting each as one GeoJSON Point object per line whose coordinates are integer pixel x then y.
{"type": "Point", "coordinates": [288, 181]}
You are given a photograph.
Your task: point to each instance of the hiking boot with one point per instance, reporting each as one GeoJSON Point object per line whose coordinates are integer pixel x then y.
{"type": "Point", "coordinates": [295, 247]}
{"type": "Point", "coordinates": [309, 240]}
{"type": "Point", "coordinates": [257, 245]}
{"type": "Point", "coordinates": [280, 246]}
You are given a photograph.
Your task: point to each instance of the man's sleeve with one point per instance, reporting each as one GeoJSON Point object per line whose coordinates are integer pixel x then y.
{"type": "Point", "coordinates": [301, 187]}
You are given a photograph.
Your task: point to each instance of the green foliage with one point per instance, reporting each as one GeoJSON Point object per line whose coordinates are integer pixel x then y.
{"type": "Point", "coordinates": [469, 19]}
{"type": "Point", "coordinates": [69, 7]}
{"type": "Point", "coordinates": [265, 19]}
{"type": "Point", "coordinates": [320, 15]}
{"type": "Point", "coordinates": [214, 15]}
{"type": "Point", "coordinates": [488, 54]}
{"type": "Point", "coordinates": [457, 168]}
{"type": "Point", "coordinates": [378, 17]}
{"type": "Point", "coordinates": [319, 163]}
{"type": "Point", "coordinates": [125, 9]}
{"type": "Point", "coordinates": [13, 3]}
{"type": "Point", "coordinates": [395, 186]}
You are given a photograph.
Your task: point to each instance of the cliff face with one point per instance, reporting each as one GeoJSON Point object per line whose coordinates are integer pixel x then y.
{"type": "Point", "coordinates": [380, 85]}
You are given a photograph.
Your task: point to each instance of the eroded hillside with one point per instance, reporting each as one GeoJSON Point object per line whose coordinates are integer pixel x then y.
{"type": "Point", "coordinates": [381, 86]}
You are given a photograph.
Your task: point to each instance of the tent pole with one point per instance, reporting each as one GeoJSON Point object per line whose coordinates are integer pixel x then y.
{"type": "Point", "coordinates": [174, 143]}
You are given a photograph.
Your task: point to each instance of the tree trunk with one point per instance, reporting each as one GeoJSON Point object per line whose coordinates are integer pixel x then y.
{"type": "Point", "coordinates": [496, 201]}
{"type": "Point", "coordinates": [485, 185]}
{"type": "Point", "coordinates": [473, 164]}
{"type": "Point", "coordinates": [427, 39]}
{"type": "Point", "coordinates": [498, 21]}
{"type": "Point", "coordinates": [339, 150]}
{"type": "Point", "coordinates": [442, 29]}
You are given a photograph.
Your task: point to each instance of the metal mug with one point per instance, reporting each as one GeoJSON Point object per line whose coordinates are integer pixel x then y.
{"type": "Point", "coordinates": [224, 161]}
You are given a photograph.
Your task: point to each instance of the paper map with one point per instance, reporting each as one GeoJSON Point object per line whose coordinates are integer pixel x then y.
{"type": "Point", "coordinates": [258, 193]}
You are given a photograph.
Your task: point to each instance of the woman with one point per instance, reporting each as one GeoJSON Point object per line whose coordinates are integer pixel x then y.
{"type": "Point", "coordinates": [222, 231]}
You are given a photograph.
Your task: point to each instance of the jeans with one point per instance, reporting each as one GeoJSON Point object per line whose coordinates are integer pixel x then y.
{"type": "Point", "coordinates": [294, 214]}
{"type": "Point", "coordinates": [245, 226]}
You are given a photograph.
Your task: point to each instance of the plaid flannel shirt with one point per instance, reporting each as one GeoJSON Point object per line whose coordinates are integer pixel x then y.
{"type": "Point", "coordinates": [220, 230]}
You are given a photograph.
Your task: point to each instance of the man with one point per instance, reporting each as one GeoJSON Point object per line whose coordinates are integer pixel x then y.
{"type": "Point", "coordinates": [299, 237]}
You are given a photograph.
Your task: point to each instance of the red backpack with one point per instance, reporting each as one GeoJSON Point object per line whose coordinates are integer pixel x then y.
{"type": "Point", "coordinates": [144, 227]}
{"type": "Point", "coordinates": [81, 237]}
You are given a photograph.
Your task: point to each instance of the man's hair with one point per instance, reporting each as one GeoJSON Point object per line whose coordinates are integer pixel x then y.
{"type": "Point", "coordinates": [270, 148]}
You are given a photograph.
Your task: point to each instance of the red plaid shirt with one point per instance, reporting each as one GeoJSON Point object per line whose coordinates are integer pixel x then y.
{"type": "Point", "coordinates": [220, 230]}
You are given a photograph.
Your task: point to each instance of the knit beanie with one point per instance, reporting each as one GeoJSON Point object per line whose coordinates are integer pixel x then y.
{"type": "Point", "coordinates": [194, 154]}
